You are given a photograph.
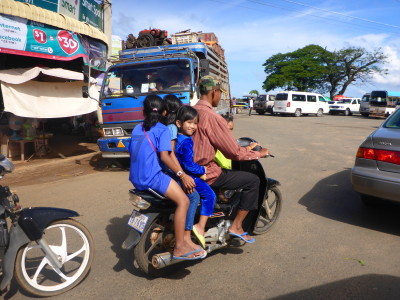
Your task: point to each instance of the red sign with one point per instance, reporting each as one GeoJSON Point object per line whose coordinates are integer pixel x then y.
{"type": "Point", "coordinates": [40, 36]}
{"type": "Point", "coordinates": [67, 42]}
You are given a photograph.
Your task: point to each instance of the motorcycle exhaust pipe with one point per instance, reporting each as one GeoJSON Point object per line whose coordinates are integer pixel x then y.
{"type": "Point", "coordinates": [163, 260]}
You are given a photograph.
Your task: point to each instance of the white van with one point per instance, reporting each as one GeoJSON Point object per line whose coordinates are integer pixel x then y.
{"type": "Point", "coordinates": [298, 103]}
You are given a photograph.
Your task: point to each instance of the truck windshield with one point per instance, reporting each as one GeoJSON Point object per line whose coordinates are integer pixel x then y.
{"type": "Point", "coordinates": [261, 98]}
{"type": "Point", "coordinates": [144, 78]}
{"type": "Point", "coordinates": [344, 101]}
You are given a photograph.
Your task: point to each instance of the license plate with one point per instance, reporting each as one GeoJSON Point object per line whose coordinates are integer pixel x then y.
{"type": "Point", "coordinates": [138, 221]}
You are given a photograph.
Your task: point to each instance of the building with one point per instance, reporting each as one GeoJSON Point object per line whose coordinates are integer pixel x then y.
{"type": "Point", "coordinates": [44, 45]}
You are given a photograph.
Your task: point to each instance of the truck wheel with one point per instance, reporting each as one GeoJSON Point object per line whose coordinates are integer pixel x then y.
{"type": "Point", "coordinates": [297, 113]}
{"type": "Point", "coordinates": [260, 112]}
{"type": "Point", "coordinates": [347, 112]}
{"type": "Point", "coordinates": [320, 112]}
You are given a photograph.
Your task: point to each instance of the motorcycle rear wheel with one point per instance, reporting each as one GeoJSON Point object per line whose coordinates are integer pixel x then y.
{"type": "Point", "coordinates": [153, 241]}
{"type": "Point", "coordinates": [72, 243]}
{"type": "Point", "coordinates": [273, 200]}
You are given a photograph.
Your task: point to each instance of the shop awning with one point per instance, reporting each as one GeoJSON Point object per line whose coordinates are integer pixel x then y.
{"type": "Point", "coordinates": [46, 99]}
{"type": "Point", "coordinates": [34, 13]}
{"type": "Point", "coordinates": [21, 75]}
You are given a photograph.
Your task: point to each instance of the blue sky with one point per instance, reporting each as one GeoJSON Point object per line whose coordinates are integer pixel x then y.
{"type": "Point", "coordinates": [251, 31]}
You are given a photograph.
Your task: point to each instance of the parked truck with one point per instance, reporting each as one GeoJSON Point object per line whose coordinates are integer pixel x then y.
{"type": "Point", "coordinates": [162, 70]}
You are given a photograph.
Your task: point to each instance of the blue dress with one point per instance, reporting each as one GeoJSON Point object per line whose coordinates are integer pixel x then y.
{"type": "Point", "coordinates": [184, 153]}
{"type": "Point", "coordinates": [145, 170]}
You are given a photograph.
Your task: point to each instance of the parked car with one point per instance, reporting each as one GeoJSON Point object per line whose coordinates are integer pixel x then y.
{"type": "Point", "coordinates": [376, 172]}
{"type": "Point", "coordinates": [364, 105]}
{"type": "Point", "coordinates": [346, 106]}
{"type": "Point", "coordinates": [298, 103]}
{"type": "Point", "coordinates": [264, 103]}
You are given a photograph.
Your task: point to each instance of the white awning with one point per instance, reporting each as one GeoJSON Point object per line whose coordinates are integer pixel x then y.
{"type": "Point", "coordinates": [21, 75]}
{"type": "Point", "coordinates": [35, 99]}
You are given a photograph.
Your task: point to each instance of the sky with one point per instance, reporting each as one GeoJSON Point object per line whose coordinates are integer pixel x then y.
{"type": "Point", "coordinates": [251, 31]}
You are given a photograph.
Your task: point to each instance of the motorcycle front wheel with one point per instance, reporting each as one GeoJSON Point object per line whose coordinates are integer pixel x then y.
{"type": "Point", "coordinates": [270, 211]}
{"type": "Point", "coordinates": [72, 244]}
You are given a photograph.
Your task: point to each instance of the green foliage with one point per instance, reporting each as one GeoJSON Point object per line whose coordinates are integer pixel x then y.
{"type": "Point", "coordinates": [313, 68]}
{"type": "Point", "coordinates": [254, 92]}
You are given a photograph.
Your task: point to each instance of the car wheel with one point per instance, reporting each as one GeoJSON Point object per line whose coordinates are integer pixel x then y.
{"type": "Point", "coordinates": [297, 113]}
{"type": "Point", "coordinates": [371, 201]}
{"type": "Point", "coordinates": [320, 112]}
{"type": "Point", "coordinates": [260, 112]}
{"type": "Point", "coordinates": [347, 112]}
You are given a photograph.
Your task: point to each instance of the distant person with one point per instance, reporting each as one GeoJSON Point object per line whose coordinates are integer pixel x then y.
{"type": "Point", "coordinates": [233, 103]}
{"type": "Point", "coordinates": [251, 102]}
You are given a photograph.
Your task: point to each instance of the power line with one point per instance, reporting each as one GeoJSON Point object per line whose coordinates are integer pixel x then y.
{"type": "Point", "coordinates": [265, 3]}
{"type": "Point", "coordinates": [341, 14]}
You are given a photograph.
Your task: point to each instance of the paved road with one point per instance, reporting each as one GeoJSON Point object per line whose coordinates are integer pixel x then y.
{"type": "Point", "coordinates": [313, 252]}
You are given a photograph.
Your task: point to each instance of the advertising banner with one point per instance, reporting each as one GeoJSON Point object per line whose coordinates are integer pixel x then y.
{"type": "Point", "coordinates": [89, 11]}
{"type": "Point", "coordinates": [24, 37]}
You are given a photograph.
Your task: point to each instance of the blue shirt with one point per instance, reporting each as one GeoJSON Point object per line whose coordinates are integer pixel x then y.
{"type": "Point", "coordinates": [145, 164]}
{"type": "Point", "coordinates": [184, 153]}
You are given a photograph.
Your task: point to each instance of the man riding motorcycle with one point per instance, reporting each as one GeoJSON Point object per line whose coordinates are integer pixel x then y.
{"type": "Point", "coordinates": [213, 134]}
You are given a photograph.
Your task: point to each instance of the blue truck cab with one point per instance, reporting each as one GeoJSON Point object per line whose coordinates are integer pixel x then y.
{"type": "Point", "coordinates": [161, 70]}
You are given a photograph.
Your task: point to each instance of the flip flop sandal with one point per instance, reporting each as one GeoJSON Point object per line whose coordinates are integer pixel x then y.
{"type": "Point", "coordinates": [241, 236]}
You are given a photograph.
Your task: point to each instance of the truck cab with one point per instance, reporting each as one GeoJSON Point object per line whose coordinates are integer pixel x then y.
{"type": "Point", "coordinates": [162, 70]}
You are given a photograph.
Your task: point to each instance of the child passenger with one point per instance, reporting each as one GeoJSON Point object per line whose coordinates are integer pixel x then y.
{"type": "Point", "coordinates": [186, 121]}
{"type": "Point", "coordinates": [173, 104]}
{"type": "Point", "coordinates": [150, 142]}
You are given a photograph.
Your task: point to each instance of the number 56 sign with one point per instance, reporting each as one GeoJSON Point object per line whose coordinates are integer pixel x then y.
{"type": "Point", "coordinates": [67, 42]}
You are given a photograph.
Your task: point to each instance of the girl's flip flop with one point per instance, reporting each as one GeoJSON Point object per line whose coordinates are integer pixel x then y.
{"type": "Point", "coordinates": [185, 256]}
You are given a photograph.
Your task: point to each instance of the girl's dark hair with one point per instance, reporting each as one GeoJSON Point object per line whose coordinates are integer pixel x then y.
{"type": "Point", "coordinates": [153, 107]}
{"type": "Point", "coordinates": [228, 117]}
{"type": "Point", "coordinates": [186, 113]}
{"type": "Point", "coordinates": [172, 104]}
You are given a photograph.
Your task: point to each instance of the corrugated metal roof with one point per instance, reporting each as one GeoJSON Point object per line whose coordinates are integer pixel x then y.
{"type": "Point", "coordinates": [34, 13]}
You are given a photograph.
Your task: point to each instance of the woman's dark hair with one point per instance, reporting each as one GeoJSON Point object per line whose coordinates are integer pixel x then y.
{"type": "Point", "coordinates": [172, 104]}
{"type": "Point", "coordinates": [228, 117]}
{"type": "Point", "coordinates": [153, 107]}
{"type": "Point", "coordinates": [186, 113]}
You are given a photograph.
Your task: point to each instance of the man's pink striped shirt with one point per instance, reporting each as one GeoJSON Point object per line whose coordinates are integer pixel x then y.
{"type": "Point", "coordinates": [212, 133]}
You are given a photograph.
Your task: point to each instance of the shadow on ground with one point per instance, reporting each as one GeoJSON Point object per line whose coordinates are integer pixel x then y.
{"type": "Point", "coordinates": [117, 230]}
{"type": "Point", "coordinates": [333, 197]}
{"type": "Point", "coordinates": [372, 286]}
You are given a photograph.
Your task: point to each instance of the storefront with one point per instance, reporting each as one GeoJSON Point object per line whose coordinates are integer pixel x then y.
{"type": "Point", "coordinates": [43, 48]}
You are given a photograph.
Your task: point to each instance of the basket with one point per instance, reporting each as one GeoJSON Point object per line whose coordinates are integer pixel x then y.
{"type": "Point", "coordinates": [184, 38]}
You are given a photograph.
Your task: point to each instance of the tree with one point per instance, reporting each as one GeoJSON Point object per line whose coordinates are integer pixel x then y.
{"type": "Point", "coordinates": [313, 68]}
{"type": "Point", "coordinates": [254, 92]}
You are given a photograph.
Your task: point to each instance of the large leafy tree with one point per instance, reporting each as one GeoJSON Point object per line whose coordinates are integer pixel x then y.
{"type": "Point", "coordinates": [254, 92]}
{"type": "Point", "coordinates": [313, 68]}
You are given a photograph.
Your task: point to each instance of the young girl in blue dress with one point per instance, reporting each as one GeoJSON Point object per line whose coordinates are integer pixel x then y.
{"type": "Point", "coordinates": [173, 104]}
{"type": "Point", "coordinates": [186, 121]}
{"type": "Point", "coordinates": [150, 142]}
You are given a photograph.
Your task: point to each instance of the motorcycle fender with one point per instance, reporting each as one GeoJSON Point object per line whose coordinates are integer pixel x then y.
{"type": "Point", "coordinates": [134, 236]}
{"type": "Point", "coordinates": [35, 219]}
{"type": "Point", "coordinates": [18, 238]}
{"type": "Point", "coordinates": [272, 182]}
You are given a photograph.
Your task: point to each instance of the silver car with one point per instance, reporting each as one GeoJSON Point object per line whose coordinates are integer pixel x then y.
{"type": "Point", "coordinates": [376, 172]}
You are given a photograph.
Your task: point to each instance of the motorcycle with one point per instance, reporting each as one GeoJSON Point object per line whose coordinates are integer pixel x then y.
{"type": "Point", "coordinates": [46, 250]}
{"type": "Point", "coordinates": [151, 222]}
